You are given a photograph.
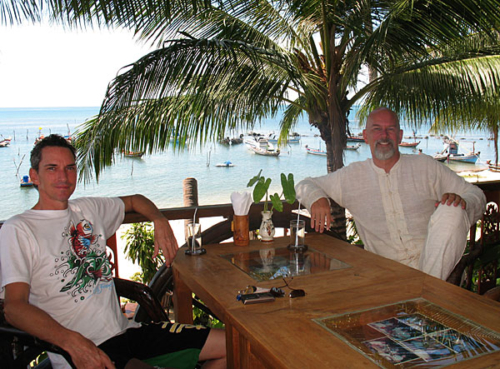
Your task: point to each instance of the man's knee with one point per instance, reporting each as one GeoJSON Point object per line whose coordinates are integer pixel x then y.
{"type": "Point", "coordinates": [450, 217]}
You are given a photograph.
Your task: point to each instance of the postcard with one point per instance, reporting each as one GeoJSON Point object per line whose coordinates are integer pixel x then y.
{"type": "Point", "coordinates": [395, 329]}
{"type": "Point", "coordinates": [428, 348]}
{"type": "Point", "coordinates": [390, 350]}
{"type": "Point", "coordinates": [422, 323]}
{"type": "Point", "coordinates": [458, 341]}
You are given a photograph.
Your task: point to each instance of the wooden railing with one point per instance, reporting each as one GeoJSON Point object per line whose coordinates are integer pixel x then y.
{"type": "Point", "coordinates": [491, 190]}
{"type": "Point", "coordinates": [184, 213]}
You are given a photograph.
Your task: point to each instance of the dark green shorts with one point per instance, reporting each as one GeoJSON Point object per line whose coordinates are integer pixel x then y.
{"type": "Point", "coordinates": [162, 344]}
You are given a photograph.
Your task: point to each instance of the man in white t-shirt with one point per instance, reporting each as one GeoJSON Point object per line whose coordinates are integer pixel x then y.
{"type": "Point", "coordinates": [57, 280]}
{"type": "Point", "coordinates": [409, 208]}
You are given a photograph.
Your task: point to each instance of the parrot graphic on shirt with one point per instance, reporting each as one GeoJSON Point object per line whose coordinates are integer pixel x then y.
{"type": "Point", "coordinates": [86, 263]}
{"type": "Point", "coordinates": [82, 238]}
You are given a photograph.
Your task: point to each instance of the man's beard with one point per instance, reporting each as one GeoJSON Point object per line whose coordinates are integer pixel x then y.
{"type": "Point", "coordinates": [387, 153]}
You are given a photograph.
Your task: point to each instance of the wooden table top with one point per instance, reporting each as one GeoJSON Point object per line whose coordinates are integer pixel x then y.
{"type": "Point", "coordinates": [283, 332]}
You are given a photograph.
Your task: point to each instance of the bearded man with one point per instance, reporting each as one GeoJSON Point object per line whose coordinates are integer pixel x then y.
{"type": "Point", "coordinates": [408, 208]}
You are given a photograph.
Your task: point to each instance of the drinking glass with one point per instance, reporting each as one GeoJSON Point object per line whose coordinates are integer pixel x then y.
{"type": "Point", "coordinates": [297, 234]}
{"type": "Point", "coordinates": [194, 240]}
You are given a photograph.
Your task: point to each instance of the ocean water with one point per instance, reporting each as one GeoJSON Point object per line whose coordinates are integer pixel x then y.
{"type": "Point", "coordinates": [160, 176]}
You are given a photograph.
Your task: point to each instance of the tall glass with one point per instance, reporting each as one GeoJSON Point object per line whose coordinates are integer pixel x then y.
{"type": "Point", "coordinates": [298, 234]}
{"type": "Point", "coordinates": [193, 241]}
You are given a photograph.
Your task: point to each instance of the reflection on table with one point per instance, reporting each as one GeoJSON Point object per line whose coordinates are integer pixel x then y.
{"type": "Point", "coordinates": [275, 263]}
{"type": "Point", "coordinates": [343, 281]}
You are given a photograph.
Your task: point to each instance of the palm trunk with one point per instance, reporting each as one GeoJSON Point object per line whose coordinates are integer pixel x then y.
{"type": "Point", "coordinates": [333, 133]}
{"type": "Point", "coordinates": [495, 137]}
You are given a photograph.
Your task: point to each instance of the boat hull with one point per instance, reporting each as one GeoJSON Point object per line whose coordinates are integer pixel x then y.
{"type": "Point", "coordinates": [353, 147]}
{"type": "Point", "coordinates": [264, 152]}
{"type": "Point", "coordinates": [355, 139]}
{"type": "Point", "coordinates": [464, 159]}
{"type": "Point", "coordinates": [409, 144]}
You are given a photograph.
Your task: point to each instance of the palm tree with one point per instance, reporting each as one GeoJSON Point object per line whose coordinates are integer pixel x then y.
{"type": "Point", "coordinates": [226, 64]}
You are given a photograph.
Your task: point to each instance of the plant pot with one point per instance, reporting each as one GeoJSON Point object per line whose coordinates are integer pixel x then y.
{"type": "Point", "coordinates": [266, 230]}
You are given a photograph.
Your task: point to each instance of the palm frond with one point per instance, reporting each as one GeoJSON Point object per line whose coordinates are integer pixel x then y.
{"type": "Point", "coordinates": [432, 87]}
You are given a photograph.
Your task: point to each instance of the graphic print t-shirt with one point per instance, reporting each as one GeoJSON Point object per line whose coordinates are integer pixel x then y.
{"type": "Point", "coordinates": [61, 254]}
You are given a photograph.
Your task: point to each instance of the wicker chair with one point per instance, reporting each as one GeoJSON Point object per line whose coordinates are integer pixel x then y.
{"type": "Point", "coordinates": [18, 348]}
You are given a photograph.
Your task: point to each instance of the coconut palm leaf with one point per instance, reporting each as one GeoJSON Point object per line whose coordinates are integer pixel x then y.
{"type": "Point", "coordinates": [227, 63]}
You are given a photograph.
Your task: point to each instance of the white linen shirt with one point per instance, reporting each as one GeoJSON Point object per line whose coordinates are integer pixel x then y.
{"type": "Point", "coordinates": [392, 210]}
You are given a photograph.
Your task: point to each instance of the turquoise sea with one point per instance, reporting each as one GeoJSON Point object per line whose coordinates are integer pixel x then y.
{"type": "Point", "coordinates": [160, 176]}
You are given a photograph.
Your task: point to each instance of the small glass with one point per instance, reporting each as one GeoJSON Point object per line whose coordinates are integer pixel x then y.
{"type": "Point", "coordinates": [298, 235]}
{"type": "Point", "coordinates": [193, 240]}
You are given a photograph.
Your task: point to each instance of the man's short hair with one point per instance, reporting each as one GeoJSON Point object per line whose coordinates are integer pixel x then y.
{"type": "Point", "coordinates": [49, 141]}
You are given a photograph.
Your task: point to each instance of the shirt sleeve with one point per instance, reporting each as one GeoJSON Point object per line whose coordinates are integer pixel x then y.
{"type": "Point", "coordinates": [450, 182]}
{"type": "Point", "coordinates": [312, 189]}
{"type": "Point", "coordinates": [17, 255]}
{"type": "Point", "coordinates": [109, 210]}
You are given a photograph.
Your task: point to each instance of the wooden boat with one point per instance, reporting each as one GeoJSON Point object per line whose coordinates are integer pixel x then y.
{"type": "Point", "coordinates": [262, 147]}
{"type": "Point", "coordinates": [133, 154]}
{"type": "Point", "coordinates": [323, 153]}
{"type": "Point", "coordinates": [409, 144]}
{"type": "Point", "coordinates": [291, 140]}
{"type": "Point", "coordinates": [358, 138]}
{"type": "Point", "coordinates": [315, 151]}
{"type": "Point", "coordinates": [464, 158]}
{"type": "Point", "coordinates": [226, 164]}
{"type": "Point", "coordinates": [493, 167]}
{"type": "Point", "coordinates": [440, 157]}
{"type": "Point", "coordinates": [353, 147]}
{"type": "Point", "coordinates": [264, 152]}
{"type": "Point", "coordinates": [450, 153]}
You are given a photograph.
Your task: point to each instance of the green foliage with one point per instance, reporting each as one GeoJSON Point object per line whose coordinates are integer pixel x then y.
{"type": "Point", "coordinates": [261, 189]}
{"type": "Point", "coordinates": [140, 248]}
{"type": "Point", "coordinates": [352, 233]}
{"type": "Point", "coordinates": [202, 318]}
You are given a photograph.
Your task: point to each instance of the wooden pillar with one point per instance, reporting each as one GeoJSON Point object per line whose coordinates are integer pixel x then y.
{"type": "Point", "coordinates": [190, 188]}
{"type": "Point", "coordinates": [111, 243]}
{"type": "Point", "coordinates": [183, 306]}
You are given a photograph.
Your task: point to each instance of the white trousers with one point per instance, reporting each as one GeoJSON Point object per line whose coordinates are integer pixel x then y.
{"type": "Point", "coordinates": [446, 241]}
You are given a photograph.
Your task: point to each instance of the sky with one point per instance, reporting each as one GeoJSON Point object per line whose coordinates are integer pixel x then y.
{"type": "Point", "coordinates": [48, 66]}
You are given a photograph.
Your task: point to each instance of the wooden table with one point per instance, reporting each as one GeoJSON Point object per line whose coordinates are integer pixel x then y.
{"type": "Point", "coordinates": [282, 334]}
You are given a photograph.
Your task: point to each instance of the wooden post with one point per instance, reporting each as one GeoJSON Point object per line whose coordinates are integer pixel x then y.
{"type": "Point", "coordinates": [190, 188]}
{"type": "Point", "coordinates": [111, 243]}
